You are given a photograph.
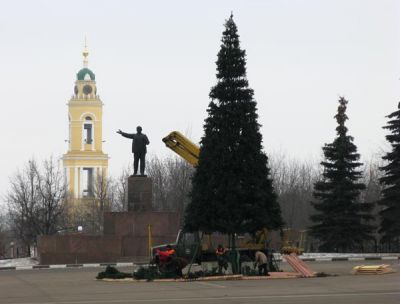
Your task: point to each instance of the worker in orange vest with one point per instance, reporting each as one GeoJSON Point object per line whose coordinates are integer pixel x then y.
{"type": "Point", "coordinates": [165, 255]}
{"type": "Point", "coordinates": [170, 251]}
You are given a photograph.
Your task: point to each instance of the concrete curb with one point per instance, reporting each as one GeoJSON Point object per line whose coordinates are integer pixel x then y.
{"type": "Point", "coordinates": [273, 275]}
{"type": "Point", "coordinates": [131, 264]}
{"type": "Point", "coordinates": [72, 266]}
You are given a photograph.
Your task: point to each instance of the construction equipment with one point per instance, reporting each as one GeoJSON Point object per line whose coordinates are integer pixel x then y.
{"type": "Point", "coordinates": [198, 247]}
{"type": "Point", "coordinates": [183, 147]}
{"type": "Point", "coordinates": [290, 243]}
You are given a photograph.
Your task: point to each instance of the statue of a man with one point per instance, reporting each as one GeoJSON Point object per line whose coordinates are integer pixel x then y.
{"type": "Point", "coordinates": [139, 150]}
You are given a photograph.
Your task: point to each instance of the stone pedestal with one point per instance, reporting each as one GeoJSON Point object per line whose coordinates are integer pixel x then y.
{"type": "Point", "coordinates": [140, 193]}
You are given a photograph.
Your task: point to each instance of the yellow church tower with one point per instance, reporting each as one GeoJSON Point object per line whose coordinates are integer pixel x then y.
{"type": "Point", "coordinates": [85, 161]}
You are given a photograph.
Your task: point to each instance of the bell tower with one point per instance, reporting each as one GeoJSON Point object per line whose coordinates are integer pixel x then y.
{"type": "Point", "coordinates": [85, 160]}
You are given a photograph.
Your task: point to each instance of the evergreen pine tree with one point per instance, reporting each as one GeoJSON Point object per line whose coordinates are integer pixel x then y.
{"type": "Point", "coordinates": [232, 190]}
{"type": "Point", "coordinates": [340, 222]}
{"type": "Point", "coordinates": [390, 215]}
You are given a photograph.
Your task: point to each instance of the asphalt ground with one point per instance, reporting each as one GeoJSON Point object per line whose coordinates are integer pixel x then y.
{"type": "Point", "coordinates": [78, 286]}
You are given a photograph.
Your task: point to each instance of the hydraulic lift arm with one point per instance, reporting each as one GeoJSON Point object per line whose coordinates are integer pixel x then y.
{"type": "Point", "coordinates": [183, 147]}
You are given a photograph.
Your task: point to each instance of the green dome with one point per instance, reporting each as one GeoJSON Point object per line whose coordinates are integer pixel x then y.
{"type": "Point", "coordinates": [83, 72]}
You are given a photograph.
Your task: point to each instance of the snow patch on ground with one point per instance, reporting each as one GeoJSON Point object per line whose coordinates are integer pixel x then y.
{"type": "Point", "coordinates": [330, 255]}
{"type": "Point", "coordinates": [21, 262]}
{"type": "Point", "coordinates": [320, 255]}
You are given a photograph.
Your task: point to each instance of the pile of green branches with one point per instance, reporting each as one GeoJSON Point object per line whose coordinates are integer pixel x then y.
{"type": "Point", "coordinates": [151, 273]}
{"type": "Point", "coordinates": [113, 273]}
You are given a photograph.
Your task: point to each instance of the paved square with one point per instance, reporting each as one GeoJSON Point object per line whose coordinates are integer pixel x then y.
{"type": "Point", "coordinates": [78, 286]}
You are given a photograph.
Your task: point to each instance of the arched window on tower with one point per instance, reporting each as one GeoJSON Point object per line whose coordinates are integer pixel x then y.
{"type": "Point", "coordinates": [88, 182]}
{"type": "Point", "coordinates": [88, 130]}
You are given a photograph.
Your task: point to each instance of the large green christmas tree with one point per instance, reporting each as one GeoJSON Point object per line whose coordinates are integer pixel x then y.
{"type": "Point", "coordinates": [341, 220]}
{"type": "Point", "coordinates": [232, 189]}
{"type": "Point", "coordinates": [390, 214]}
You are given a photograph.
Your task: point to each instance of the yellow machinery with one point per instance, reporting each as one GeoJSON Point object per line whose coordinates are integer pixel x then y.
{"type": "Point", "coordinates": [260, 241]}
{"type": "Point", "coordinates": [183, 147]}
{"type": "Point", "coordinates": [190, 152]}
{"type": "Point", "coordinates": [288, 246]}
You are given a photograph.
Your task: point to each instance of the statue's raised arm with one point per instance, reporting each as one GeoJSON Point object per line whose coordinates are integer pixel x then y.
{"type": "Point", "coordinates": [127, 135]}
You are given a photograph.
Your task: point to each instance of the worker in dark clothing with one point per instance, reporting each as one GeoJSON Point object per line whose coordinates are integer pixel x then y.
{"type": "Point", "coordinates": [139, 150]}
{"type": "Point", "coordinates": [261, 260]}
{"type": "Point", "coordinates": [221, 258]}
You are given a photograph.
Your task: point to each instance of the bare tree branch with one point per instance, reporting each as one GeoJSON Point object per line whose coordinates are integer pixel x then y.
{"type": "Point", "coordinates": [36, 200]}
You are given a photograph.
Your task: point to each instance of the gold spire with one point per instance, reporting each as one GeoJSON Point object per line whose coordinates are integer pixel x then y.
{"type": "Point", "coordinates": [85, 54]}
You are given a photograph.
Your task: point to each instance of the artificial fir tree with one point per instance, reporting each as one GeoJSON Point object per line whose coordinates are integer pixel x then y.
{"type": "Point", "coordinates": [232, 189]}
{"type": "Point", "coordinates": [390, 214]}
{"type": "Point", "coordinates": [341, 219]}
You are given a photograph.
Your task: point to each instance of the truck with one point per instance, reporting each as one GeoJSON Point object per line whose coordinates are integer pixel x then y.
{"type": "Point", "coordinates": [200, 247]}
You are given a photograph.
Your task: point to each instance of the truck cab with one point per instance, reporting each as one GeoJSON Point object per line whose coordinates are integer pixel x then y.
{"type": "Point", "coordinates": [186, 246]}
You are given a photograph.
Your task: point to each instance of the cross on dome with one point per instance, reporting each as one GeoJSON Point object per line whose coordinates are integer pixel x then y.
{"type": "Point", "coordinates": [85, 54]}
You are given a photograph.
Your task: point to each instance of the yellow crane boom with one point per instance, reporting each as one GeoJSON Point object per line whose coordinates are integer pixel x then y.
{"type": "Point", "coordinates": [182, 146]}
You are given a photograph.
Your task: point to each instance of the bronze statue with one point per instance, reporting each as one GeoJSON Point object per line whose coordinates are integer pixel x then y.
{"type": "Point", "coordinates": [139, 150]}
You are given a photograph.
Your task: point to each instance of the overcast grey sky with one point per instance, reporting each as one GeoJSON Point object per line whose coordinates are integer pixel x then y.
{"type": "Point", "coordinates": [155, 64]}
